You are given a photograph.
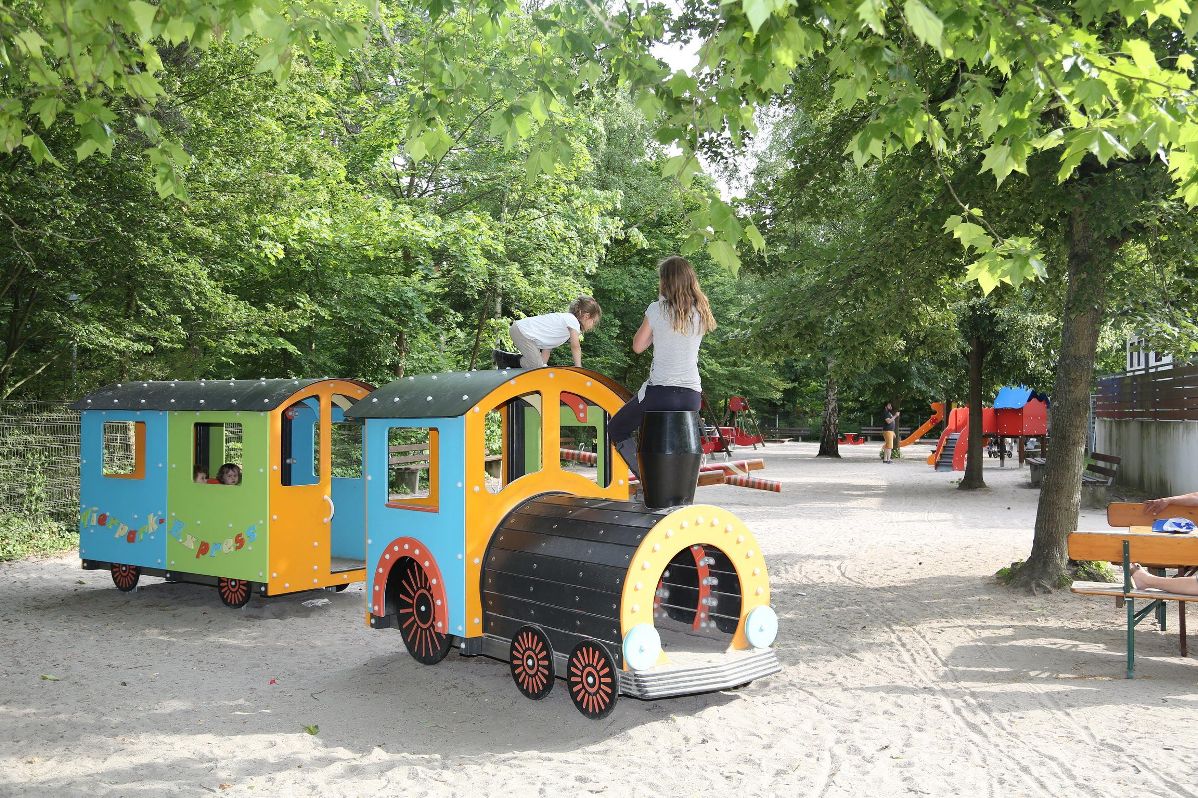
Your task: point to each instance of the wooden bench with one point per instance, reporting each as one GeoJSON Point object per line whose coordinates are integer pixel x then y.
{"type": "Point", "coordinates": [412, 458]}
{"type": "Point", "coordinates": [876, 432]}
{"type": "Point", "coordinates": [1097, 479]}
{"type": "Point", "coordinates": [1036, 466]}
{"type": "Point", "coordinates": [409, 459]}
{"type": "Point", "coordinates": [1137, 543]}
{"type": "Point", "coordinates": [784, 434]}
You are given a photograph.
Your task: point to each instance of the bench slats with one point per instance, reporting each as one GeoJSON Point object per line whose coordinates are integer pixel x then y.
{"type": "Point", "coordinates": [1134, 514]}
{"type": "Point", "coordinates": [1105, 458]}
{"type": "Point", "coordinates": [1148, 548]}
{"type": "Point", "coordinates": [1116, 590]}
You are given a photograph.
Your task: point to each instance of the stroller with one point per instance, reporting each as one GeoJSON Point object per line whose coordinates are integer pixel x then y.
{"type": "Point", "coordinates": [992, 449]}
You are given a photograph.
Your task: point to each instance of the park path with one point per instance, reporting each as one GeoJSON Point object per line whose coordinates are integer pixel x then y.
{"type": "Point", "coordinates": [908, 671]}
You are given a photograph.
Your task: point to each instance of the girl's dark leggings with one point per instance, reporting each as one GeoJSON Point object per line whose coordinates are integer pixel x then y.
{"type": "Point", "coordinates": [627, 420]}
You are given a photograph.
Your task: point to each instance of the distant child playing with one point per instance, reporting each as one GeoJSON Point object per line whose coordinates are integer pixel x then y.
{"type": "Point", "coordinates": [537, 336]}
{"type": "Point", "coordinates": [674, 326]}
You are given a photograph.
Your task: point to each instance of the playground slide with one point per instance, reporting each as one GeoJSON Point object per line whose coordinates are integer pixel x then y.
{"type": "Point", "coordinates": [937, 417]}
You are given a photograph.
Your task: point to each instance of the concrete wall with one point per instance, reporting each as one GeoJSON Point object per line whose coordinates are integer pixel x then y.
{"type": "Point", "coordinates": [1159, 457]}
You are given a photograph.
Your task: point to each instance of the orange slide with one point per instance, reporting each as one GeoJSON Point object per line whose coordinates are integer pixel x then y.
{"type": "Point", "coordinates": [937, 417]}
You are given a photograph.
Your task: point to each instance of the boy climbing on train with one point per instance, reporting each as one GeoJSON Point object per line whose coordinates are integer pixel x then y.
{"type": "Point", "coordinates": [537, 336]}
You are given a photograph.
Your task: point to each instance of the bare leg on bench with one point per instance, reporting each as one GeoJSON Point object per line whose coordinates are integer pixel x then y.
{"type": "Point", "coordinates": [1186, 585]}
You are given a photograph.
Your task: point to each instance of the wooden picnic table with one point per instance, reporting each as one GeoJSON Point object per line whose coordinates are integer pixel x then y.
{"type": "Point", "coordinates": [1138, 543]}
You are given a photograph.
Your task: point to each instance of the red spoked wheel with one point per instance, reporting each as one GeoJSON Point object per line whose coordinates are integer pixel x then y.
{"type": "Point", "coordinates": [591, 677]}
{"type": "Point", "coordinates": [532, 663]}
{"type": "Point", "coordinates": [416, 607]}
{"type": "Point", "coordinates": [125, 576]}
{"type": "Point", "coordinates": [233, 592]}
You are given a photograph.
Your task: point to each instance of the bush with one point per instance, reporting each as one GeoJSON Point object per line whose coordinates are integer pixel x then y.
{"type": "Point", "coordinates": [22, 535]}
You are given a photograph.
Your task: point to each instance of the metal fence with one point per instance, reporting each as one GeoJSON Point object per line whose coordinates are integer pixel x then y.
{"type": "Point", "coordinates": [1162, 395]}
{"type": "Point", "coordinates": [39, 459]}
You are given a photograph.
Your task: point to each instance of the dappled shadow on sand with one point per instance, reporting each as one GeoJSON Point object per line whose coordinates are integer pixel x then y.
{"type": "Point", "coordinates": [169, 660]}
{"type": "Point", "coordinates": [960, 636]}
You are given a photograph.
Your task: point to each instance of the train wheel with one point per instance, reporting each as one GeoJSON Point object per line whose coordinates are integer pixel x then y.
{"type": "Point", "coordinates": [233, 592]}
{"type": "Point", "coordinates": [591, 677]}
{"type": "Point", "coordinates": [125, 576]}
{"type": "Point", "coordinates": [532, 663]}
{"type": "Point", "coordinates": [414, 603]}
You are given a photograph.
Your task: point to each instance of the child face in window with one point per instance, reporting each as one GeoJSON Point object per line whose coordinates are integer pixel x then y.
{"type": "Point", "coordinates": [200, 476]}
{"type": "Point", "coordinates": [230, 476]}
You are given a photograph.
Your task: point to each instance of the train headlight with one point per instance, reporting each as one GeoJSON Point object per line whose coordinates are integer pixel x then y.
{"type": "Point", "coordinates": [761, 627]}
{"type": "Point", "coordinates": [642, 647]}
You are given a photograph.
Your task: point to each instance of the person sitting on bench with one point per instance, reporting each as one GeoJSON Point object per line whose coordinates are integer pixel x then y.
{"type": "Point", "coordinates": [1157, 506]}
{"type": "Point", "coordinates": [1185, 585]}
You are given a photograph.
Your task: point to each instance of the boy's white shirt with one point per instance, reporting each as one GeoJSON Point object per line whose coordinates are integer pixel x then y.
{"type": "Point", "coordinates": [549, 330]}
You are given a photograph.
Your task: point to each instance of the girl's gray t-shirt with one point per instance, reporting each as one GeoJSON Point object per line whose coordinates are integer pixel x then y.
{"type": "Point", "coordinates": [675, 356]}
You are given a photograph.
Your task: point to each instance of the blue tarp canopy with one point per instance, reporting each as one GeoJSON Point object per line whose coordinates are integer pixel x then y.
{"type": "Point", "coordinates": [1011, 398]}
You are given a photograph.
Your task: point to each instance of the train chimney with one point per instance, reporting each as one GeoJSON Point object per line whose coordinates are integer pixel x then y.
{"type": "Point", "coordinates": [669, 456]}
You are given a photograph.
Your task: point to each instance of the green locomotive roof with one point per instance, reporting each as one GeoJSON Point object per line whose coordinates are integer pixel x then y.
{"type": "Point", "coordinates": [444, 395]}
{"type": "Point", "coordinates": [248, 395]}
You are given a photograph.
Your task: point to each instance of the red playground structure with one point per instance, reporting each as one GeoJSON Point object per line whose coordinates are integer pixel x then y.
{"type": "Point", "coordinates": [738, 428]}
{"type": "Point", "coordinates": [1018, 413]}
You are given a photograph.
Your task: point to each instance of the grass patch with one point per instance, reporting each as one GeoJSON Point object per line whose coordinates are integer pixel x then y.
{"type": "Point", "coordinates": [1006, 574]}
{"type": "Point", "coordinates": [1084, 571]}
{"type": "Point", "coordinates": [22, 535]}
{"type": "Point", "coordinates": [1095, 572]}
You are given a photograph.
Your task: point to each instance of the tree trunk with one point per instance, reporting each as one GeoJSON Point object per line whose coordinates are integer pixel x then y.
{"type": "Point", "coordinates": [828, 446]}
{"type": "Point", "coordinates": [973, 457]}
{"type": "Point", "coordinates": [1060, 495]}
{"type": "Point", "coordinates": [401, 353]}
{"type": "Point", "coordinates": [478, 336]}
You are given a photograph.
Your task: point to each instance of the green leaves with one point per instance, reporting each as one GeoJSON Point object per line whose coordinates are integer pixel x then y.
{"type": "Point", "coordinates": [682, 167]}
{"type": "Point", "coordinates": [1141, 54]}
{"type": "Point", "coordinates": [143, 16]}
{"type": "Point", "coordinates": [39, 151]}
{"type": "Point", "coordinates": [1011, 261]}
{"type": "Point", "coordinates": [871, 12]}
{"type": "Point", "coordinates": [757, 12]}
{"type": "Point", "coordinates": [924, 24]}
{"type": "Point", "coordinates": [1001, 159]}
{"type": "Point", "coordinates": [724, 254]}
{"type": "Point", "coordinates": [106, 52]}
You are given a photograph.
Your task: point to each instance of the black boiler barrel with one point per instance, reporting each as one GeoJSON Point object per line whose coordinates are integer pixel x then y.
{"type": "Point", "coordinates": [669, 456]}
{"type": "Point", "coordinates": [560, 563]}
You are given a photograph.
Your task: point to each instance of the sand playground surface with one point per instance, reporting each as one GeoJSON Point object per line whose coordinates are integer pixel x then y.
{"type": "Point", "coordinates": [906, 671]}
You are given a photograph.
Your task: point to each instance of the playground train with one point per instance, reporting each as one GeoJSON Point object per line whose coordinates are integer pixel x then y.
{"type": "Point", "coordinates": [446, 495]}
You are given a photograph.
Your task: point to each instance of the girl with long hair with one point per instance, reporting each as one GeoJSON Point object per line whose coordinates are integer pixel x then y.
{"type": "Point", "coordinates": [674, 326]}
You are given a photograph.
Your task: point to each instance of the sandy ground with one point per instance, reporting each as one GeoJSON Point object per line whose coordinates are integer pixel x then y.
{"type": "Point", "coordinates": [907, 671]}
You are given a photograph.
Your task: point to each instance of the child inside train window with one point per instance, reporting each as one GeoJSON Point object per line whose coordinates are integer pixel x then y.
{"type": "Point", "coordinates": [229, 474]}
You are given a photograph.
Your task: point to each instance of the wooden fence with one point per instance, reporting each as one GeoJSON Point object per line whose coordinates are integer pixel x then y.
{"type": "Point", "coordinates": [1164, 395]}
